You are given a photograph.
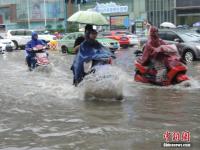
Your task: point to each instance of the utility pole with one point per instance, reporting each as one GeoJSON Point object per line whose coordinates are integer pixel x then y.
{"type": "Point", "coordinates": [65, 15]}
{"type": "Point", "coordinates": [28, 13]}
{"type": "Point", "coordinates": [45, 16]}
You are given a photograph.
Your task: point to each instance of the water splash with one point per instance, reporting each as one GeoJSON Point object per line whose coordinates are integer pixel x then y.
{"type": "Point", "coordinates": [105, 84]}
{"type": "Point", "coordinates": [44, 69]}
{"type": "Point", "coordinates": [191, 84]}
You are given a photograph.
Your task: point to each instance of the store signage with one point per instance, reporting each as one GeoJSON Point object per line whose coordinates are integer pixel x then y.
{"type": "Point", "coordinates": [106, 8]}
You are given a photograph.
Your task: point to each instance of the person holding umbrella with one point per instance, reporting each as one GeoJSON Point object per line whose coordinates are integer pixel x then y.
{"type": "Point", "coordinates": [87, 47]}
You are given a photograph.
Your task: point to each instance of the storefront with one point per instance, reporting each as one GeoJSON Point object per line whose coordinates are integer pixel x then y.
{"type": "Point", "coordinates": [33, 14]}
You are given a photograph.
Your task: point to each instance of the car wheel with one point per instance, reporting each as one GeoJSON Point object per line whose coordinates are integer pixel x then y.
{"type": "Point", "coordinates": [189, 56]}
{"type": "Point", "coordinates": [131, 45]}
{"type": "Point", "coordinates": [64, 49]}
{"type": "Point", "coordinates": [15, 45]}
{"type": "Point", "coordinates": [125, 46]}
{"type": "Point", "coordinates": [22, 47]}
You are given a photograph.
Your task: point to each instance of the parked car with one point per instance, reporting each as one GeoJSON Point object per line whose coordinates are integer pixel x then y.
{"type": "Point", "coordinates": [142, 40]}
{"type": "Point", "coordinates": [196, 30]}
{"type": "Point", "coordinates": [188, 43]}
{"type": "Point", "coordinates": [121, 38]}
{"type": "Point", "coordinates": [6, 44]}
{"type": "Point", "coordinates": [133, 39]}
{"type": "Point", "coordinates": [67, 42]}
{"type": "Point", "coordinates": [21, 36]}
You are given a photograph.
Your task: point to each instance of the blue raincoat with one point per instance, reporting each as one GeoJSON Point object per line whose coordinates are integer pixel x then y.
{"type": "Point", "coordinates": [86, 53]}
{"type": "Point", "coordinates": [29, 53]}
{"type": "Point", "coordinates": [32, 43]}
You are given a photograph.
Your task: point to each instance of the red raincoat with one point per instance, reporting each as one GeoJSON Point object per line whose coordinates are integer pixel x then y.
{"type": "Point", "coordinates": [157, 49]}
{"type": "Point", "coordinates": [152, 45]}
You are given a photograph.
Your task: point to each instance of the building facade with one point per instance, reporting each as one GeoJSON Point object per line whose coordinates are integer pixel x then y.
{"type": "Point", "coordinates": [187, 11]}
{"type": "Point", "coordinates": [32, 14]}
{"type": "Point", "coordinates": [159, 11]}
{"type": "Point", "coordinates": [136, 8]}
{"type": "Point", "coordinates": [38, 14]}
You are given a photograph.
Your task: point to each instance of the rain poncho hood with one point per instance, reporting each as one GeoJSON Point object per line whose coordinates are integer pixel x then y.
{"type": "Point", "coordinates": [87, 52]}
{"type": "Point", "coordinates": [153, 44]}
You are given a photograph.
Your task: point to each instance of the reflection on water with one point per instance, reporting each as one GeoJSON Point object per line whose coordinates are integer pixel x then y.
{"type": "Point", "coordinates": [39, 110]}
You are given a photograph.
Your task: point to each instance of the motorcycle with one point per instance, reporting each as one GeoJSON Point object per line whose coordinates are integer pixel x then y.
{"type": "Point", "coordinates": [174, 74]}
{"type": "Point", "coordinates": [41, 57]}
{"type": "Point", "coordinates": [101, 80]}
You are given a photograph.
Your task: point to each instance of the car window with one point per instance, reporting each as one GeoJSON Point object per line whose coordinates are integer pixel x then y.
{"type": "Point", "coordinates": [65, 38]}
{"type": "Point", "coordinates": [171, 36]}
{"type": "Point", "coordinates": [189, 37]}
{"type": "Point", "coordinates": [13, 32]}
{"type": "Point", "coordinates": [28, 33]}
{"type": "Point", "coordinates": [106, 34]}
{"type": "Point", "coordinates": [20, 33]}
{"type": "Point", "coordinates": [70, 37]}
{"type": "Point", "coordinates": [162, 35]}
{"type": "Point", "coordinates": [119, 33]}
{"type": "Point", "coordinates": [123, 32]}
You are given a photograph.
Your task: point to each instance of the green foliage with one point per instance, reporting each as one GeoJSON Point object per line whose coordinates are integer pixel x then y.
{"type": "Point", "coordinates": [48, 27]}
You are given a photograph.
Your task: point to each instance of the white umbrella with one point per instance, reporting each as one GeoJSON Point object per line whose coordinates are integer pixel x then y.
{"type": "Point", "coordinates": [167, 25]}
{"type": "Point", "coordinates": [88, 17]}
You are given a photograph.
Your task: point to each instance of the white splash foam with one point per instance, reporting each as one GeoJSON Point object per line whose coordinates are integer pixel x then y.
{"type": "Point", "coordinates": [106, 83]}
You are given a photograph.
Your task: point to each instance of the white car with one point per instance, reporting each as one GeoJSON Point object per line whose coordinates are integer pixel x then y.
{"type": "Point", "coordinates": [6, 44]}
{"type": "Point", "coordinates": [134, 40]}
{"type": "Point", "coordinates": [21, 37]}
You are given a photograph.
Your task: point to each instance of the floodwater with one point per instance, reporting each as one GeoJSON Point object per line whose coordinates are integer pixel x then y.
{"type": "Point", "coordinates": [43, 111]}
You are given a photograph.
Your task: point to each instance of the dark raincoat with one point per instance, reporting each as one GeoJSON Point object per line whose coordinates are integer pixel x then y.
{"type": "Point", "coordinates": [89, 50]}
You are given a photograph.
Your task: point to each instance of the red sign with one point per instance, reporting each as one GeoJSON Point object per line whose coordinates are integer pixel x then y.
{"type": "Point", "coordinates": [176, 136]}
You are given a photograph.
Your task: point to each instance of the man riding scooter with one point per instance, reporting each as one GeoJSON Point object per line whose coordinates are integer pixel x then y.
{"type": "Point", "coordinates": [30, 54]}
{"type": "Point", "coordinates": [88, 49]}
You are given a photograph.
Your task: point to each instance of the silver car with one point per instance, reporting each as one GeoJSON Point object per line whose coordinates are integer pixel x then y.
{"type": "Point", "coordinates": [188, 43]}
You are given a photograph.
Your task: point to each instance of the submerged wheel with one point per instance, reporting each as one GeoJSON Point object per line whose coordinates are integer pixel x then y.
{"type": "Point", "coordinates": [189, 56]}
{"type": "Point", "coordinates": [64, 49]}
{"type": "Point", "coordinates": [15, 45]}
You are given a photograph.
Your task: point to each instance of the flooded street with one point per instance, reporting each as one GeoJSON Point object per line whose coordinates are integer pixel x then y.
{"type": "Point", "coordinates": [43, 111]}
